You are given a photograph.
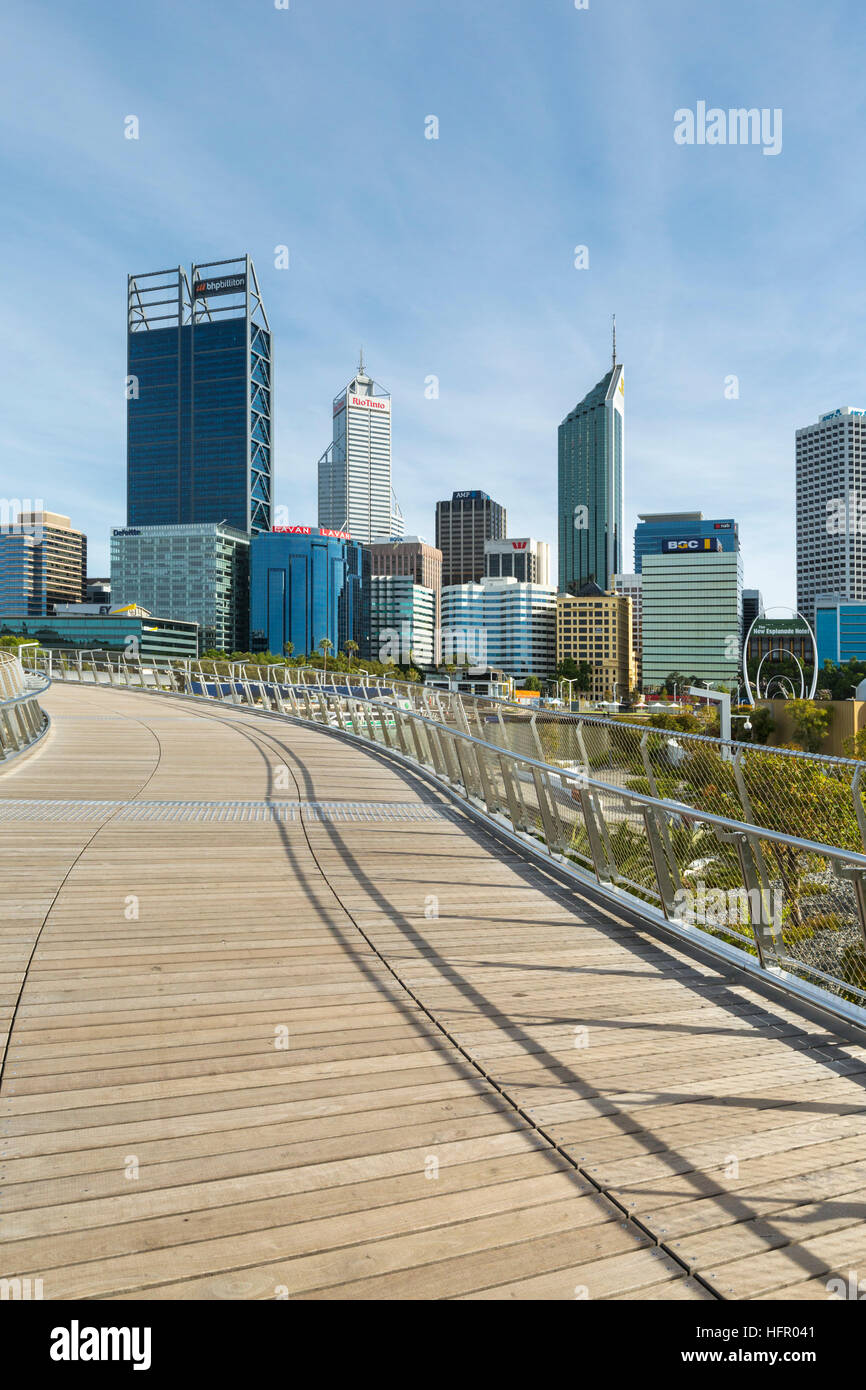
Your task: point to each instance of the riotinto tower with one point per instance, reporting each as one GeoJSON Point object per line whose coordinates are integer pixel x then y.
{"type": "Point", "coordinates": [199, 398]}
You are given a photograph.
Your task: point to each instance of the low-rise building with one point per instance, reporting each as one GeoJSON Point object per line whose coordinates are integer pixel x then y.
{"type": "Point", "coordinates": [595, 626]}
{"type": "Point", "coordinates": [126, 632]}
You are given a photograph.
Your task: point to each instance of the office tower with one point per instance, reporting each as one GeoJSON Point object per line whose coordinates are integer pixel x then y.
{"type": "Point", "coordinates": [463, 524]}
{"type": "Point", "coordinates": [412, 556]}
{"type": "Point", "coordinates": [355, 492]}
{"type": "Point", "coordinates": [656, 528]}
{"type": "Point", "coordinates": [840, 631]}
{"type": "Point", "coordinates": [831, 508]}
{"type": "Point", "coordinates": [591, 486]}
{"type": "Point", "coordinates": [403, 626]}
{"type": "Point", "coordinates": [43, 562]}
{"type": "Point", "coordinates": [631, 586]}
{"type": "Point", "coordinates": [307, 584]}
{"type": "Point", "coordinates": [199, 398]}
{"type": "Point", "coordinates": [525, 559]}
{"type": "Point", "coordinates": [596, 627]}
{"type": "Point", "coordinates": [198, 572]}
{"type": "Point", "coordinates": [692, 615]}
{"type": "Point", "coordinates": [501, 623]}
{"type": "Point", "coordinates": [753, 604]}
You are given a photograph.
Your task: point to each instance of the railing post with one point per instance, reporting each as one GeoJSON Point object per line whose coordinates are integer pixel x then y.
{"type": "Point", "coordinates": [664, 878]}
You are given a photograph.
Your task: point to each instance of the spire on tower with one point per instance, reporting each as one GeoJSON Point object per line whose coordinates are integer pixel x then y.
{"type": "Point", "coordinates": [361, 364]}
{"type": "Point", "coordinates": [614, 338]}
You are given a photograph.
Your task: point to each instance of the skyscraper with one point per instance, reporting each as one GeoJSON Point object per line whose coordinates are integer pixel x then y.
{"type": "Point", "coordinates": [463, 524]}
{"type": "Point", "coordinates": [355, 492]}
{"type": "Point", "coordinates": [43, 562]}
{"type": "Point", "coordinates": [831, 508]}
{"type": "Point", "coordinates": [591, 486]}
{"type": "Point", "coordinates": [199, 398]}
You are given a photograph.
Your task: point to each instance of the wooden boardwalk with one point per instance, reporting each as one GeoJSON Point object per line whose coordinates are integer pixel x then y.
{"type": "Point", "coordinates": [285, 1023]}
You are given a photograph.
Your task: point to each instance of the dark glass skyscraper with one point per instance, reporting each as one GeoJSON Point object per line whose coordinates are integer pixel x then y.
{"type": "Point", "coordinates": [463, 524]}
{"type": "Point", "coordinates": [590, 487]}
{"type": "Point", "coordinates": [199, 398]}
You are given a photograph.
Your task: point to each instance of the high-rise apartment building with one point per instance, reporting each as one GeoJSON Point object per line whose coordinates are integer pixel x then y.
{"type": "Point", "coordinates": [43, 562]}
{"type": "Point", "coordinates": [199, 398]}
{"type": "Point", "coordinates": [596, 627]}
{"type": "Point", "coordinates": [463, 524]}
{"type": "Point", "coordinates": [355, 490]}
{"type": "Point", "coordinates": [655, 528]}
{"type": "Point", "coordinates": [415, 558]}
{"type": "Point", "coordinates": [831, 508]}
{"type": "Point", "coordinates": [521, 558]}
{"type": "Point", "coordinates": [197, 573]}
{"type": "Point", "coordinates": [591, 486]}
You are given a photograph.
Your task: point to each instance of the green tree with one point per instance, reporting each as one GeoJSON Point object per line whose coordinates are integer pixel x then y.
{"type": "Point", "coordinates": [811, 722]}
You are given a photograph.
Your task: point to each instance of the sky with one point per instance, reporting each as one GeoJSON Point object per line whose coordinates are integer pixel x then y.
{"type": "Point", "coordinates": [262, 127]}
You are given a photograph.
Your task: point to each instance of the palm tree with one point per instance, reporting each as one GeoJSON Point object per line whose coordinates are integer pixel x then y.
{"type": "Point", "coordinates": [324, 647]}
{"type": "Point", "coordinates": [351, 648]}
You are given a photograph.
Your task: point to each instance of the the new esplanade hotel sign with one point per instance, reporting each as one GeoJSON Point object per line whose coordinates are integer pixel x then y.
{"type": "Point", "coordinates": [223, 284]}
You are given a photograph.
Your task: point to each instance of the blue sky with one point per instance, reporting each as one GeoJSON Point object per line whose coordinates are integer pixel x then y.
{"type": "Point", "coordinates": [452, 257]}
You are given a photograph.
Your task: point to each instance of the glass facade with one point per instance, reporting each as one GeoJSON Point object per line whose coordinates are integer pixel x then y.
{"type": "Point", "coordinates": [590, 487]}
{"type": "Point", "coordinates": [198, 405]}
{"type": "Point", "coordinates": [692, 616]}
{"type": "Point", "coordinates": [501, 623]}
{"type": "Point", "coordinates": [651, 530]}
{"type": "Point", "coordinates": [840, 630]}
{"type": "Point", "coordinates": [199, 573]}
{"type": "Point", "coordinates": [402, 620]}
{"type": "Point", "coordinates": [307, 587]}
{"type": "Point", "coordinates": [120, 632]}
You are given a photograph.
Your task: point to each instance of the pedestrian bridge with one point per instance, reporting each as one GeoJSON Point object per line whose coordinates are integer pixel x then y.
{"type": "Point", "coordinates": [286, 1016]}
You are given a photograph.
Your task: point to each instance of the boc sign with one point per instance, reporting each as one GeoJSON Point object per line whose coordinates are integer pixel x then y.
{"type": "Point", "coordinates": [691, 545]}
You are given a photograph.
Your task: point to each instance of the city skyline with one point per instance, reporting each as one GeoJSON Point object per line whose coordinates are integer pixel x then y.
{"type": "Point", "coordinates": [707, 284]}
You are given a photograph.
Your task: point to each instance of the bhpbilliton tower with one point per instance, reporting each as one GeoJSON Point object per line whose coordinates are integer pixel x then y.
{"type": "Point", "coordinates": [199, 398]}
{"type": "Point", "coordinates": [590, 486]}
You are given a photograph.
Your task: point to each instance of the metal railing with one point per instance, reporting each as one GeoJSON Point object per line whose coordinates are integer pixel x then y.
{"type": "Point", "coordinates": [786, 905]}
{"type": "Point", "coordinates": [22, 719]}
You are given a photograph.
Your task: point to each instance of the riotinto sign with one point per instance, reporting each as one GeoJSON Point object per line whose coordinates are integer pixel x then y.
{"type": "Point", "coordinates": [224, 284]}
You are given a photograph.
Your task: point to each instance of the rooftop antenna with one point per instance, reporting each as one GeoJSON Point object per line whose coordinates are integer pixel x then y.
{"type": "Point", "coordinates": [613, 316]}
{"type": "Point", "coordinates": [361, 365]}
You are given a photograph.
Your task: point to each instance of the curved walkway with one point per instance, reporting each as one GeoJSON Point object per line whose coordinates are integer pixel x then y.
{"type": "Point", "coordinates": [283, 1022]}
